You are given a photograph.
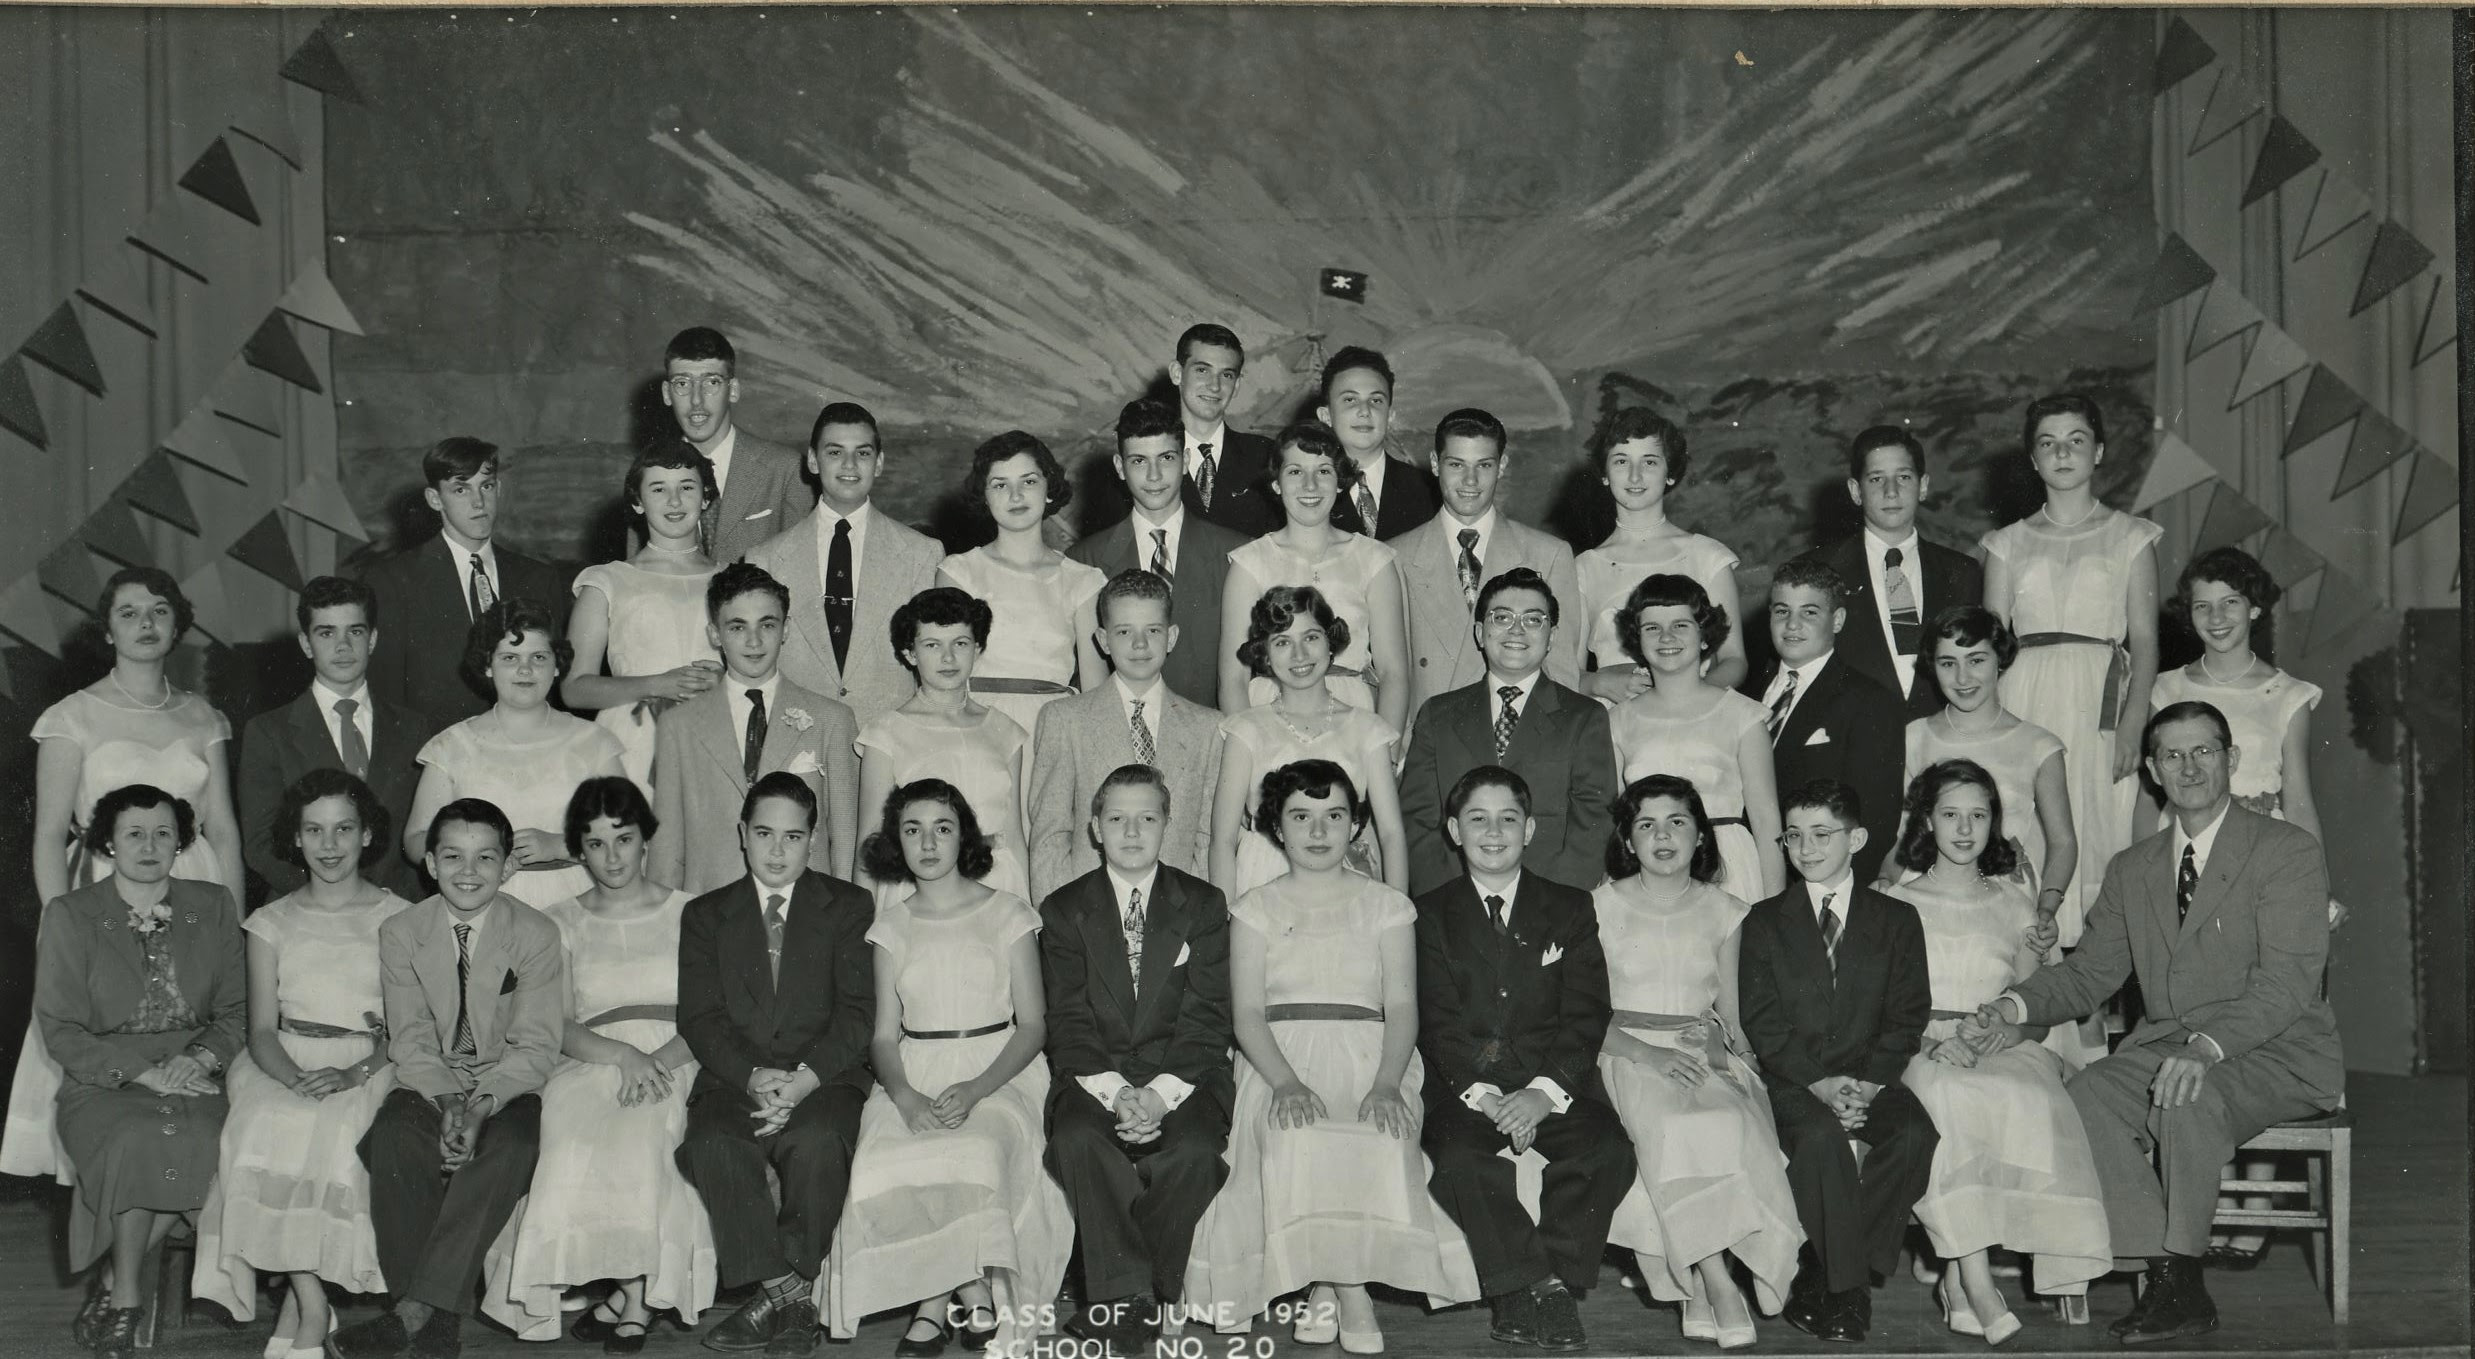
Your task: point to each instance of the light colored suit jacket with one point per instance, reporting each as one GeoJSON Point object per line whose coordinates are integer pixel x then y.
{"type": "Point", "coordinates": [766, 495]}
{"type": "Point", "coordinates": [1079, 741]}
{"type": "Point", "coordinates": [897, 563]}
{"type": "Point", "coordinates": [2244, 967]}
{"type": "Point", "coordinates": [516, 1001]}
{"type": "Point", "coordinates": [1443, 651]}
{"type": "Point", "coordinates": [700, 778]}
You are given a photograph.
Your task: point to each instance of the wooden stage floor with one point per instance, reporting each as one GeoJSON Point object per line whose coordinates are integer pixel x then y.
{"type": "Point", "coordinates": [2410, 1281]}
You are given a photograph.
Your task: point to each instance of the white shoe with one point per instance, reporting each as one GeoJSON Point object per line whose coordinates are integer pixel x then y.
{"type": "Point", "coordinates": [279, 1347]}
{"type": "Point", "coordinates": [1698, 1321]}
{"type": "Point", "coordinates": [1735, 1337]}
{"type": "Point", "coordinates": [1957, 1315]}
{"type": "Point", "coordinates": [1362, 1342]}
{"type": "Point", "coordinates": [1319, 1318]}
{"type": "Point", "coordinates": [2002, 1328]}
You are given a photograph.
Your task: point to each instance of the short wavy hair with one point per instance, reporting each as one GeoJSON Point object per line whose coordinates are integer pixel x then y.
{"type": "Point", "coordinates": [1812, 573]}
{"type": "Point", "coordinates": [155, 581]}
{"type": "Point", "coordinates": [1668, 590]}
{"type": "Point", "coordinates": [939, 606]}
{"type": "Point", "coordinates": [1134, 583]}
{"type": "Point", "coordinates": [1314, 438]}
{"type": "Point", "coordinates": [744, 578]}
{"type": "Point", "coordinates": [317, 784]}
{"type": "Point", "coordinates": [1999, 858]}
{"type": "Point", "coordinates": [136, 797]}
{"type": "Point", "coordinates": [670, 452]}
{"type": "Point", "coordinates": [1641, 422]}
{"type": "Point", "coordinates": [1622, 862]}
{"type": "Point", "coordinates": [470, 811]}
{"type": "Point", "coordinates": [2242, 573]}
{"type": "Point", "coordinates": [1273, 614]}
{"type": "Point", "coordinates": [1132, 776]}
{"type": "Point", "coordinates": [2060, 403]}
{"type": "Point", "coordinates": [880, 855]}
{"type": "Point", "coordinates": [614, 796]}
{"type": "Point", "coordinates": [1012, 444]}
{"type": "Point", "coordinates": [1314, 778]}
{"type": "Point", "coordinates": [331, 592]}
{"type": "Point", "coordinates": [1971, 625]}
{"type": "Point", "coordinates": [508, 620]}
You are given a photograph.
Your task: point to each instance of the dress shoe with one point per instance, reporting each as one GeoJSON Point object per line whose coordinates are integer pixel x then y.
{"type": "Point", "coordinates": [1839, 1317]}
{"type": "Point", "coordinates": [1515, 1320]}
{"type": "Point", "coordinates": [1696, 1321]}
{"type": "Point", "coordinates": [89, 1322]}
{"type": "Point", "coordinates": [2001, 1328]}
{"type": "Point", "coordinates": [1559, 1317]}
{"type": "Point", "coordinates": [926, 1347]}
{"type": "Point", "coordinates": [2147, 1293]}
{"type": "Point", "coordinates": [796, 1330]}
{"type": "Point", "coordinates": [592, 1328]}
{"type": "Point", "coordinates": [381, 1337]}
{"type": "Point", "coordinates": [1318, 1318]}
{"type": "Point", "coordinates": [116, 1335]}
{"type": "Point", "coordinates": [1370, 1341]}
{"type": "Point", "coordinates": [976, 1338]}
{"type": "Point", "coordinates": [440, 1337]}
{"type": "Point", "coordinates": [1737, 1337]}
{"type": "Point", "coordinates": [2230, 1256]}
{"type": "Point", "coordinates": [752, 1326]}
{"type": "Point", "coordinates": [1957, 1316]}
{"type": "Point", "coordinates": [2185, 1309]}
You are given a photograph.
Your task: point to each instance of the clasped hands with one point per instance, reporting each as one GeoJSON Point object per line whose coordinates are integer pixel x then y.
{"type": "Point", "coordinates": [948, 1110]}
{"type": "Point", "coordinates": [329, 1080]}
{"type": "Point", "coordinates": [1517, 1115]}
{"type": "Point", "coordinates": [642, 1077]}
{"type": "Point", "coordinates": [460, 1120]}
{"type": "Point", "coordinates": [776, 1093]}
{"type": "Point", "coordinates": [1849, 1098]}
{"type": "Point", "coordinates": [1296, 1106]}
{"type": "Point", "coordinates": [1139, 1110]}
{"type": "Point", "coordinates": [179, 1074]}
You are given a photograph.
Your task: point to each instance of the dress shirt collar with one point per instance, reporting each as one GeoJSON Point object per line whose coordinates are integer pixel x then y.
{"type": "Point", "coordinates": [479, 921]}
{"type": "Point", "coordinates": [1805, 674]}
{"type": "Point", "coordinates": [1373, 471]}
{"type": "Point", "coordinates": [328, 696]}
{"type": "Point", "coordinates": [735, 693]}
{"type": "Point", "coordinates": [2203, 842]}
{"type": "Point", "coordinates": [1511, 892]}
{"type": "Point", "coordinates": [1150, 697]}
{"type": "Point", "coordinates": [1218, 437]}
{"type": "Point", "coordinates": [719, 454]}
{"type": "Point", "coordinates": [1120, 886]}
{"type": "Point", "coordinates": [1876, 545]}
{"type": "Point", "coordinates": [1527, 684]}
{"type": "Point", "coordinates": [1143, 524]}
{"type": "Point", "coordinates": [1453, 528]}
{"type": "Point", "coordinates": [1842, 893]}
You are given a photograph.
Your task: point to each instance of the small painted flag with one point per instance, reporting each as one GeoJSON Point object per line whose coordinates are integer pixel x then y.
{"type": "Point", "coordinates": [1346, 284]}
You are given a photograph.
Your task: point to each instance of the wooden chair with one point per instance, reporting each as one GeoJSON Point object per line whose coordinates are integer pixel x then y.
{"type": "Point", "coordinates": [165, 1282]}
{"type": "Point", "coordinates": [2327, 1190]}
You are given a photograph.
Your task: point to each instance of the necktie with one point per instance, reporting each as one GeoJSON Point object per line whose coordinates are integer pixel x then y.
{"type": "Point", "coordinates": [773, 934]}
{"type": "Point", "coordinates": [1907, 625]}
{"type": "Point", "coordinates": [356, 752]}
{"type": "Point", "coordinates": [1830, 932]}
{"type": "Point", "coordinates": [2186, 882]}
{"type": "Point", "coordinates": [1505, 716]}
{"type": "Point", "coordinates": [1160, 555]}
{"type": "Point", "coordinates": [1469, 567]}
{"type": "Point", "coordinates": [1134, 936]}
{"type": "Point", "coordinates": [755, 750]}
{"type": "Point", "coordinates": [1144, 752]}
{"type": "Point", "coordinates": [1495, 915]}
{"type": "Point", "coordinates": [483, 595]}
{"type": "Point", "coordinates": [838, 595]}
{"type": "Point", "coordinates": [463, 982]}
{"type": "Point", "coordinates": [1203, 483]}
{"type": "Point", "coordinates": [1365, 501]}
{"type": "Point", "coordinates": [1779, 706]}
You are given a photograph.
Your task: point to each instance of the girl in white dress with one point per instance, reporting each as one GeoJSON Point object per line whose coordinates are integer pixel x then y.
{"type": "Point", "coordinates": [1327, 1184]}
{"type": "Point", "coordinates": [645, 616]}
{"type": "Point", "coordinates": [1358, 576]}
{"type": "Point", "coordinates": [608, 1201]}
{"type": "Point", "coordinates": [1040, 647]}
{"type": "Point", "coordinates": [291, 1196]}
{"type": "Point", "coordinates": [1641, 457]}
{"type": "Point", "coordinates": [942, 732]}
{"type": "Point", "coordinates": [950, 1206]}
{"type": "Point", "coordinates": [1712, 1180]}
{"type": "Point", "coordinates": [1292, 634]}
{"type": "Point", "coordinates": [1683, 724]}
{"type": "Point", "coordinates": [522, 755]}
{"type": "Point", "coordinates": [131, 726]}
{"type": "Point", "coordinates": [2013, 1167]}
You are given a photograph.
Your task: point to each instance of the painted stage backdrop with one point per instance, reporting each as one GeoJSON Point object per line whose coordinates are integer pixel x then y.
{"type": "Point", "coordinates": [1779, 227]}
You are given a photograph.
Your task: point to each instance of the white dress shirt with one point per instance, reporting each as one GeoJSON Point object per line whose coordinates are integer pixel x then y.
{"type": "Point", "coordinates": [327, 699]}
{"type": "Point", "coordinates": [1371, 471]}
{"type": "Point", "coordinates": [462, 557]}
{"type": "Point", "coordinates": [1527, 684]}
{"type": "Point", "coordinates": [735, 696]}
{"type": "Point", "coordinates": [1105, 1085]}
{"type": "Point", "coordinates": [1842, 893]}
{"type": "Point", "coordinates": [825, 521]}
{"type": "Point", "coordinates": [1875, 547]}
{"type": "Point", "coordinates": [719, 456]}
{"type": "Point", "coordinates": [1218, 437]}
{"type": "Point", "coordinates": [1175, 522]}
{"type": "Point", "coordinates": [1151, 699]}
{"type": "Point", "coordinates": [1453, 529]}
{"type": "Point", "coordinates": [1479, 1091]}
{"type": "Point", "coordinates": [1805, 674]}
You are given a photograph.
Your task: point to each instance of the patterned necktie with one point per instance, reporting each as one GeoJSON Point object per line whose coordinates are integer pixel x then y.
{"type": "Point", "coordinates": [1144, 752]}
{"type": "Point", "coordinates": [2186, 882]}
{"type": "Point", "coordinates": [1160, 555]}
{"type": "Point", "coordinates": [1907, 625]}
{"type": "Point", "coordinates": [464, 1045]}
{"type": "Point", "coordinates": [1364, 499]}
{"type": "Point", "coordinates": [1495, 915]}
{"type": "Point", "coordinates": [483, 596]}
{"type": "Point", "coordinates": [838, 595]}
{"type": "Point", "coordinates": [1469, 567]}
{"type": "Point", "coordinates": [356, 752]}
{"type": "Point", "coordinates": [1203, 482]}
{"type": "Point", "coordinates": [1133, 925]}
{"type": "Point", "coordinates": [1505, 716]}
{"type": "Point", "coordinates": [754, 752]}
{"type": "Point", "coordinates": [1830, 932]}
{"type": "Point", "coordinates": [773, 933]}
{"type": "Point", "coordinates": [1779, 707]}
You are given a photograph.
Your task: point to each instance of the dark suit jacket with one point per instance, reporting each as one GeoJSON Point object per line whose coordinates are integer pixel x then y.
{"type": "Point", "coordinates": [1179, 1025]}
{"type": "Point", "coordinates": [1560, 747]}
{"type": "Point", "coordinates": [1410, 498]}
{"type": "Point", "coordinates": [90, 978]}
{"type": "Point", "coordinates": [1203, 549]}
{"type": "Point", "coordinates": [1804, 1022]}
{"type": "Point", "coordinates": [1242, 499]}
{"type": "Point", "coordinates": [1846, 727]}
{"type": "Point", "coordinates": [282, 744]}
{"type": "Point", "coordinates": [823, 1013]}
{"type": "Point", "coordinates": [1507, 1011]}
{"type": "Point", "coordinates": [423, 617]}
{"type": "Point", "coordinates": [1949, 578]}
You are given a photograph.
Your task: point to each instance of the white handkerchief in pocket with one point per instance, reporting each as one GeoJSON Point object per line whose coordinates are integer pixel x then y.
{"type": "Point", "coordinates": [1554, 951]}
{"type": "Point", "coordinates": [759, 514]}
{"type": "Point", "coordinates": [1820, 737]}
{"type": "Point", "coordinates": [1184, 952]}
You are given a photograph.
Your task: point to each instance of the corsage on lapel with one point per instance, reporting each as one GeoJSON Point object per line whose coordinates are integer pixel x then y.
{"type": "Point", "coordinates": [797, 719]}
{"type": "Point", "coordinates": [145, 920]}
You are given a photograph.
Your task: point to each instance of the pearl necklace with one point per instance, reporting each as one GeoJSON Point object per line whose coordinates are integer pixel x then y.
{"type": "Point", "coordinates": [169, 693]}
{"type": "Point", "coordinates": [2094, 508]}
{"type": "Point", "coordinates": [2215, 678]}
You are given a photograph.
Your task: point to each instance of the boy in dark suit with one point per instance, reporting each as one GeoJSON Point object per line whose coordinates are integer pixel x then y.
{"type": "Point", "coordinates": [1896, 581]}
{"type": "Point", "coordinates": [1832, 983]}
{"type": "Point", "coordinates": [1166, 535]}
{"type": "Point", "coordinates": [430, 594]}
{"type": "Point", "coordinates": [1512, 1007]}
{"type": "Point", "coordinates": [777, 999]}
{"type": "Point", "coordinates": [1826, 720]}
{"type": "Point", "coordinates": [1228, 472]}
{"type": "Point", "coordinates": [1392, 496]}
{"type": "Point", "coordinates": [1135, 955]}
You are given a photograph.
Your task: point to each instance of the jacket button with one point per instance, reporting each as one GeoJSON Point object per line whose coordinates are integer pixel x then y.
{"type": "Point", "coordinates": [163, 1108]}
{"type": "Point", "coordinates": [171, 1129]}
{"type": "Point", "coordinates": [1422, 662]}
{"type": "Point", "coordinates": [171, 1172]}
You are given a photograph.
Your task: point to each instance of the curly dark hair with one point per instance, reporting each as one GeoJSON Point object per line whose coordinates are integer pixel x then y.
{"type": "Point", "coordinates": [2242, 573]}
{"type": "Point", "coordinates": [1314, 778]}
{"type": "Point", "coordinates": [939, 606]}
{"type": "Point", "coordinates": [1641, 422]}
{"type": "Point", "coordinates": [880, 855]}
{"type": "Point", "coordinates": [1622, 862]}
{"type": "Point", "coordinates": [135, 797]}
{"type": "Point", "coordinates": [607, 795]}
{"type": "Point", "coordinates": [1273, 614]}
{"type": "Point", "coordinates": [507, 621]}
{"type": "Point", "coordinates": [1015, 443]}
{"type": "Point", "coordinates": [1667, 590]}
{"type": "Point", "coordinates": [1315, 439]}
{"type": "Point", "coordinates": [1973, 625]}
{"type": "Point", "coordinates": [2060, 403]}
{"type": "Point", "coordinates": [1998, 859]}
{"type": "Point", "coordinates": [670, 452]}
{"type": "Point", "coordinates": [285, 829]}
{"type": "Point", "coordinates": [155, 581]}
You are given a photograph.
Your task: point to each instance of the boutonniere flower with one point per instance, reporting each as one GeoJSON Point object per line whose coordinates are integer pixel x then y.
{"type": "Point", "coordinates": [145, 920]}
{"type": "Point", "coordinates": [797, 719]}
{"type": "Point", "coordinates": [803, 763]}
{"type": "Point", "coordinates": [1554, 951]}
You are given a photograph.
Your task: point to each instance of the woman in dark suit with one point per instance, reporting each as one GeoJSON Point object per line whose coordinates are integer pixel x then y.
{"type": "Point", "coordinates": [142, 994]}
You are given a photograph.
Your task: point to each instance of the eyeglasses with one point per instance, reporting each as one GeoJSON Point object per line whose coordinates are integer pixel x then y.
{"type": "Point", "coordinates": [1797, 839]}
{"type": "Point", "coordinates": [711, 384]}
{"type": "Point", "coordinates": [1505, 620]}
{"type": "Point", "coordinates": [2194, 757]}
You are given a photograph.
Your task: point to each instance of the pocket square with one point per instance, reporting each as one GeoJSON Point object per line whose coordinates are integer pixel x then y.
{"type": "Point", "coordinates": [1820, 737]}
{"type": "Point", "coordinates": [802, 764]}
{"type": "Point", "coordinates": [1184, 952]}
{"type": "Point", "coordinates": [759, 514]}
{"type": "Point", "coordinates": [1554, 951]}
{"type": "Point", "coordinates": [507, 984]}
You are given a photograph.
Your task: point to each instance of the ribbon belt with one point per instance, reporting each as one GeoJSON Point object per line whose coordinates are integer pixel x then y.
{"type": "Point", "coordinates": [1274, 1014]}
{"type": "Point", "coordinates": [999, 1027]}
{"type": "Point", "coordinates": [2117, 668]}
{"type": "Point", "coordinates": [1736, 820]}
{"type": "Point", "coordinates": [668, 1013]}
{"type": "Point", "coordinates": [1003, 684]}
{"type": "Point", "coordinates": [310, 1028]}
{"type": "Point", "coordinates": [1962, 1015]}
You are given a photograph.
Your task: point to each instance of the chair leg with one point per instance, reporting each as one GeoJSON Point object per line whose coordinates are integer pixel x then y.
{"type": "Point", "coordinates": [172, 1281]}
{"type": "Point", "coordinates": [2341, 1209]}
{"type": "Point", "coordinates": [2316, 1197]}
{"type": "Point", "coordinates": [150, 1297]}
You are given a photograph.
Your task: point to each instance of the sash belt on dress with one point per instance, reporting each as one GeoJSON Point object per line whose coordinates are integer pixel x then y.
{"type": "Point", "coordinates": [667, 1013]}
{"type": "Point", "coordinates": [1004, 684]}
{"type": "Point", "coordinates": [2117, 668]}
{"type": "Point", "coordinates": [1274, 1014]}
{"type": "Point", "coordinates": [310, 1028]}
{"type": "Point", "coordinates": [999, 1027]}
{"type": "Point", "coordinates": [1736, 820]}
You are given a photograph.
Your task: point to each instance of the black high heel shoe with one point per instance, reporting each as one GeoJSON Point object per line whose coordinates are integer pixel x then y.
{"type": "Point", "coordinates": [974, 1338]}
{"type": "Point", "coordinates": [907, 1348]}
{"type": "Point", "coordinates": [88, 1324]}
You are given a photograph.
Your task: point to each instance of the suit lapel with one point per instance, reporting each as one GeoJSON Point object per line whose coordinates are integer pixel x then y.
{"type": "Point", "coordinates": [1536, 714]}
{"type": "Point", "coordinates": [119, 940]}
{"type": "Point", "coordinates": [1105, 941]}
{"type": "Point", "coordinates": [434, 965]}
{"type": "Point", "coordinates": [800, 573]}
{"type": "Point", "coordinates": [441, 570]}
{"type": "Point", "coordinates": [1164, 934]}
{"type": "Point", "coordinates": [2234, 844]}
{"type": "Point", "coordinates": [709, 722]}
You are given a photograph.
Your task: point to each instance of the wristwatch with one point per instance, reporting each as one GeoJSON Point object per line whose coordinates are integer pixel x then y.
{"type": "Point", "coordinates": [206, 1058]}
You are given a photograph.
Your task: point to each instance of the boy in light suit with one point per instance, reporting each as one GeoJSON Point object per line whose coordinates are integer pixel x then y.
{"type": "Point", "coordinates": [759, 480]}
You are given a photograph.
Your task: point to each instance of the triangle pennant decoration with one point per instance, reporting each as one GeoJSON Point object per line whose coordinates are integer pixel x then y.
{"type": "Point", "coordinates": [2234, 101]}
{"type": "Point", "coordinates": [2181, 54]}
{"type": "Point", "coordinates": [113, 531]}
{"type": "Point", "coordinates": [274, 349]}
{"type": "Point", "coordinates": [27, 616]}
{"type": "Point", "coordinates": [69, 572]}
{"type": "Point", "coordinates": [2376, 444]}
{"type": "Point", "coordinates": [155, 488]}
{"type": "Point", "coordinates": [210, 601]}
{"type": "Point", "coordinates": [2338, 206]}
{"type": "Point", "coordinates": [2327, 403]}
{"type": "Point", "coordinates": [2287, 559]}
{"type": "Point", "coordinates": [2396, 257]}
{"type": "Point", "coordinates": [2178, 273]}
{"type": "Point", "coordinates": [249, 396]}
{"type": "Point", "coordinates": [205, 439]}
{"type": "Point", "coordinates": [315, 64]}
{"type": "Point", "coordinates": [313, 298]}
{"type": "Point", "coordinates": [172, 233]}
{"type": "Point", "coordinates": [60, 345]}
{"type": "Point", "coordinates": [2174, 468]}
{"type": "Point", "coordinates": [2440, 322]}
{"type": "Point", "coordinates": [2301, 602]}
{"type": "Point", "coordinates": [18, 411]}
{"type": "Point", "coordinates": [321, 501]}
{"type": "Point", "coordinates": [267, 550]}
{"type": "Point", "coordinates": [267, 121]}
{"type": "Point", "coordinates": [2225, 313]}
{"type": "Point", "coordinates": [119, 287]}
{"type": "Point", "coordinates": [2275, 357]}
{"type": "Point", "coordinates": [2431, 492]}
{"type": "Point", "coordinates": [2231, 519]}
{"type": "Point", "coordinates": [2284, 153]}
{"type": "Point", "coordinates": [216, 177]}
